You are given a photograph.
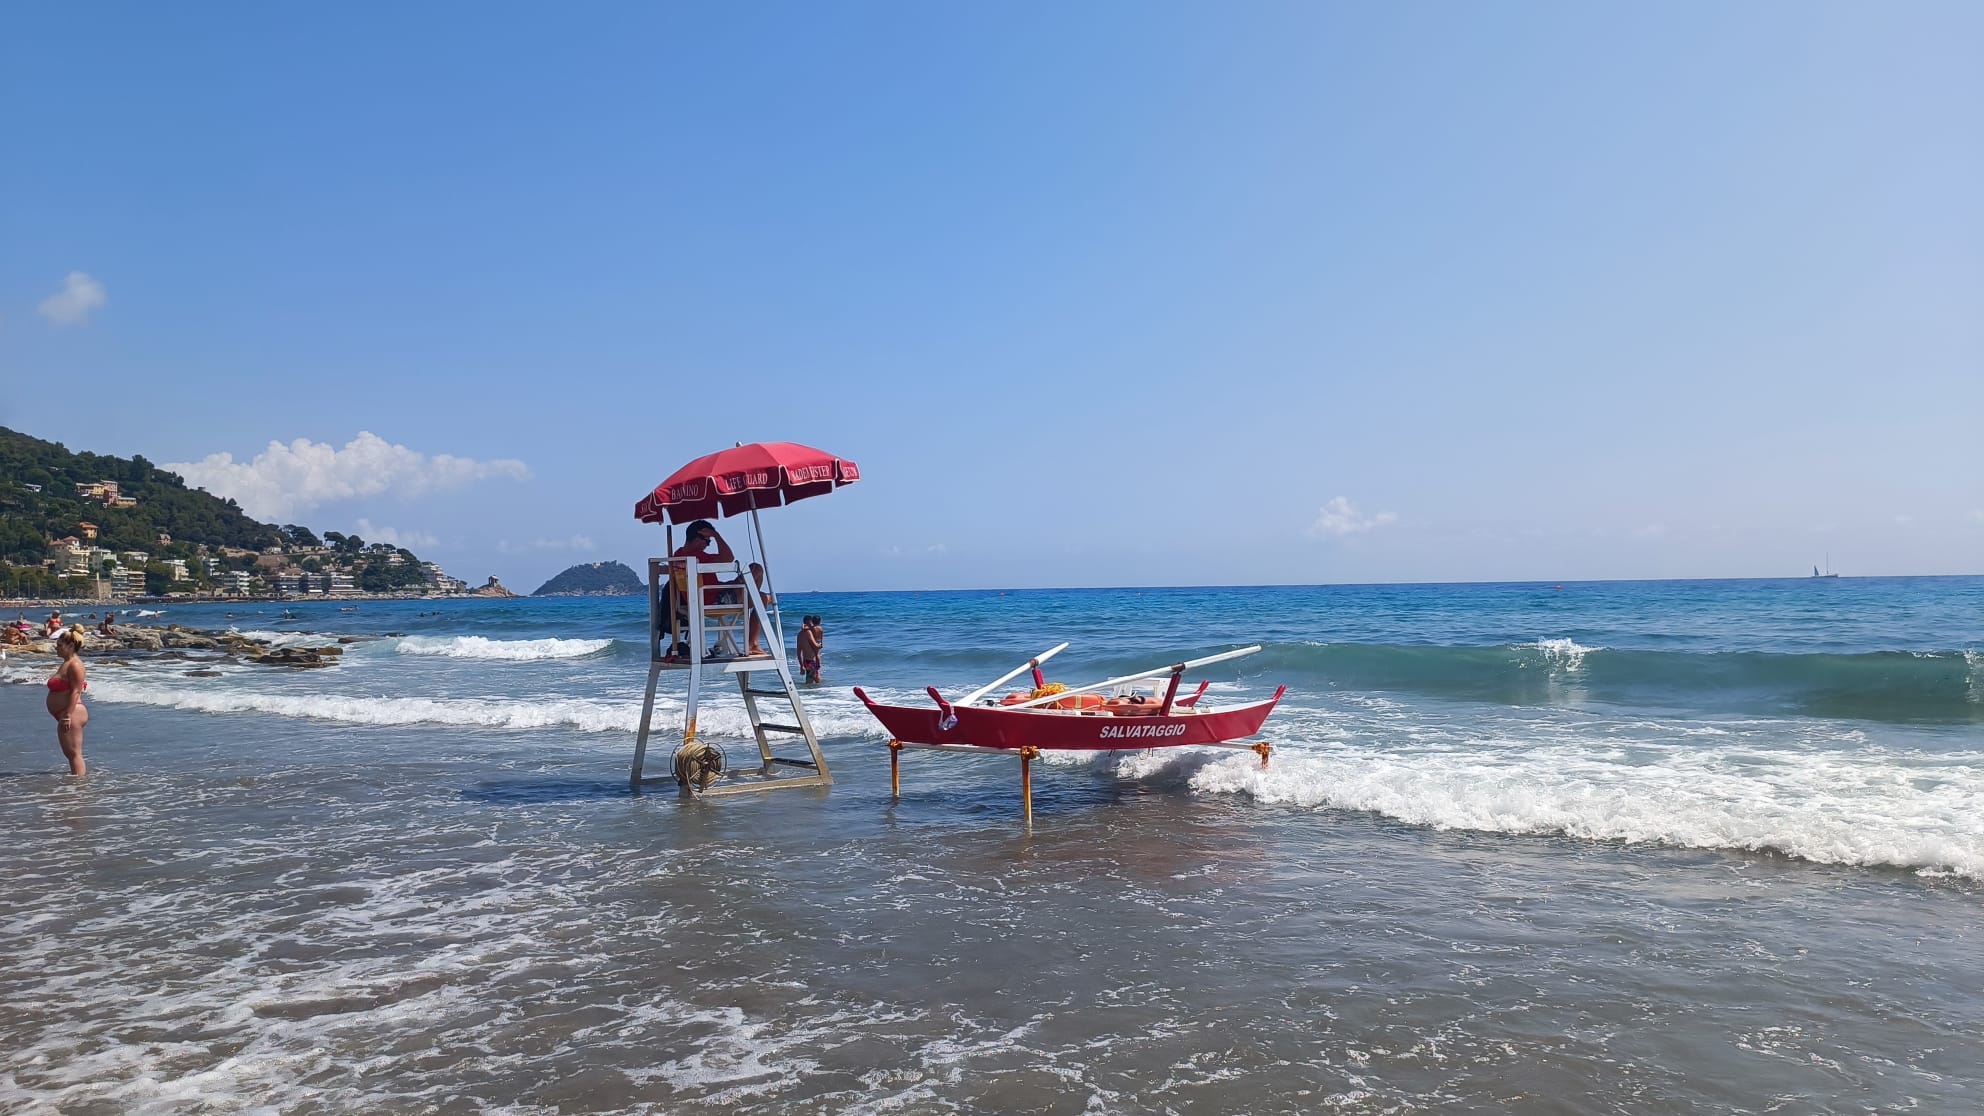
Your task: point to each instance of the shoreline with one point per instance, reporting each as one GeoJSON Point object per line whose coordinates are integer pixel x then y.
{"type": "Point", "coordinates": [100, 603]}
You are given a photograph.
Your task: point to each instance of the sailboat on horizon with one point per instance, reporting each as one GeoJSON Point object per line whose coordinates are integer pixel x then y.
{"type": "Point", "coordinates": [1828, 573]}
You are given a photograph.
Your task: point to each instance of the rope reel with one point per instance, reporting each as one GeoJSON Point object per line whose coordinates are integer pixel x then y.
{"type": "Point", "coordinates": [698, 765]}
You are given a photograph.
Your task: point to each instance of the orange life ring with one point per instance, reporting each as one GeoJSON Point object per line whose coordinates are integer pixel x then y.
{"type": "Point", "coordinates": [1080, 701]}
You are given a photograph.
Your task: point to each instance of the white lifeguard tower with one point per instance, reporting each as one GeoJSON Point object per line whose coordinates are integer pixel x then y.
{"type": "Point", "coordinates": [701, 613]}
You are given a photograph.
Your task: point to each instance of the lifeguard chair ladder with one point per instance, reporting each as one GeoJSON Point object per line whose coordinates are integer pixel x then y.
{"type": "Point", "coordinates": [728, 622]}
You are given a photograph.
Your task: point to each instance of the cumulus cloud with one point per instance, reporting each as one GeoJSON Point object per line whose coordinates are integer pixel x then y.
{"type": "Point", "coordinates": [372, 532]}
{"type": "Point", "coordinates": [1340, 517]}
{"type": "Point", "coordinates": [72, 305]}
{"type": "Point", "coordinates": [286, 480]}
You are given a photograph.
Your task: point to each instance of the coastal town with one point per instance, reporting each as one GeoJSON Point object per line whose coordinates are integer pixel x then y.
{"type": "Point", "coordinates": [69, 532]}
{"type": "Point", "coordinates": [333, 569]}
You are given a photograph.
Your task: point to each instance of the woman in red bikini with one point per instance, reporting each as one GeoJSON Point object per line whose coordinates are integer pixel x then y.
{"type": "Point", "coordinates": [65, 699]}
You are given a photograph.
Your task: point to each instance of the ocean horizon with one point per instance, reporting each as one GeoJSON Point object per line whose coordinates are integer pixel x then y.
{"type": "Point", "coordinates": [1630, 846]}
{"type": "Point", "coordinates": [147, 602]}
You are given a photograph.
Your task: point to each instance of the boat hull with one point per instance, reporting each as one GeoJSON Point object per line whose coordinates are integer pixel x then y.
{"type": "Point", "coordinates": [1013, 729]}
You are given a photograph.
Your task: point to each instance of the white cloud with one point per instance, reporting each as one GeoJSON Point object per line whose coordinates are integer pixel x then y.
{"type": "Point", "coordinates": [372, 532]}
{"type": "Point", "coordinates": [72, 305]}
{"type": "Point", "coordinates": [286, 480]}
{"type": "Point", "coordinates": [1340, 517]}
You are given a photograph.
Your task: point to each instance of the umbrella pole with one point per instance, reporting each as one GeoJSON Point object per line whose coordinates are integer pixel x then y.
{"type": "Point", "coordinates": [758, 532]}
{"type": "Point", "coordinates": [668, 591]}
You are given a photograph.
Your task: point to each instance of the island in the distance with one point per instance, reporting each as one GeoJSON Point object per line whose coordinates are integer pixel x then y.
{"type": "Point", "coordinates": [593, 579]}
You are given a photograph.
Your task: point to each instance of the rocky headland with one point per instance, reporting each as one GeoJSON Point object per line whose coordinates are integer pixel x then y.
{"type": "Point", "coordinates": [192, 644]}
{"type": "Point", "coordinates": [593, 579]}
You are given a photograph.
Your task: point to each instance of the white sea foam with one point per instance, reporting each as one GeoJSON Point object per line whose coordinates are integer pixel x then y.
{"type": "Point", "coordinates": [288, 639]}
{"type": "Point", "coordinates": [718, 717]}
{"type": "Point", "coordinates": [1924, 812]}
{"type": "Point", "coordinates": [1564, 654]}
{"type": "Point", "coordinates": [502, 650]}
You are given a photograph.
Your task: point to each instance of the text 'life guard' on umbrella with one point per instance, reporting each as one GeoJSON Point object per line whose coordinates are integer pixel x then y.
{"type": "Point", "coordinates": [730, 608]}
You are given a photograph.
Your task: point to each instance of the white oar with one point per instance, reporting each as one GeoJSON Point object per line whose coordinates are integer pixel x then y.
{"type": "Point", "coordinates": [1030, 664]}
{"type": "Point", "coordinates": [1176, 668]}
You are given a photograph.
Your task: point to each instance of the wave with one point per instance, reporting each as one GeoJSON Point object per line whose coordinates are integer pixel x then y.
{"type": "Point", "coordinates": [288, 639]}
{"type": "Point", "coordinates": [501, 650]}
{"type": "Point", "coordinates": [1897, 686]}
{"type": "Point", "coordinates": [576, 714]}
{"type": "Point", "coordinates": [1866, 809]}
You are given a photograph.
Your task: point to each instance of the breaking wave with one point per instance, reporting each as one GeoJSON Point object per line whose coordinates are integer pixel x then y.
{"type": "Point", "coordinates": [571, 714]}
{"type": "Point", "coordinates": [1862, 808]}
{"type": "Point", "coordinates": [502, 650]}
{"type": "Point", "coordinates": [281, 640]}
{"type": "Point", "coordinates": [1921, 687]}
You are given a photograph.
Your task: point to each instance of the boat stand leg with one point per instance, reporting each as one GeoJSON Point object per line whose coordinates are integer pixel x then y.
{"type": "Point", "coordinates": [895, 769]}
{"type": "Point", "coordinates": [1026, 782]}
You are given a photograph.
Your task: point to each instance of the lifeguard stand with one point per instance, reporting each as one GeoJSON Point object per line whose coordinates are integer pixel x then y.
{"type": "Point", "coordinates": [684, 614]}
{"type": "Point", "coordinates": [697, 627]}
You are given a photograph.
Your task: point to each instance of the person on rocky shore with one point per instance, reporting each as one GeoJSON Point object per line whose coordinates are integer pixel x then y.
{"type": "Point", "coordinates": [65, 699]}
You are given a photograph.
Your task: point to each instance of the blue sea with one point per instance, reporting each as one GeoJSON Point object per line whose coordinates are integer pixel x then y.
{"type": "Point", "coordinates": [1635, 847]}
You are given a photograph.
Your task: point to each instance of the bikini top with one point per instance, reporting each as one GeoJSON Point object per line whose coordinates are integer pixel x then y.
{"type": "Point", "coordinates": [60, 685]}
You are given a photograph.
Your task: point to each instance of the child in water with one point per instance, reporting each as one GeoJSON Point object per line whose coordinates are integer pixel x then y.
{"type": "Point", "coordinates": [812, 637]}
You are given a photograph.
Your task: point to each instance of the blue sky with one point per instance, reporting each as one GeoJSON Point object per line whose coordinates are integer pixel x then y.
{"type": "Point", "coordinates": [1096, 294]}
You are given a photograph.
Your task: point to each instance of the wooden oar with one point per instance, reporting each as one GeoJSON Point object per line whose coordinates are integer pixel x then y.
{"type": "Point", "coordinates": [1177, 668]}
{"type": "Point", "coordinates": [1030, 664]}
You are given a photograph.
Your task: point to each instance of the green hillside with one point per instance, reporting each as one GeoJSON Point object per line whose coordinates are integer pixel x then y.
{"type": "Point", "coordinates": [39, 503]}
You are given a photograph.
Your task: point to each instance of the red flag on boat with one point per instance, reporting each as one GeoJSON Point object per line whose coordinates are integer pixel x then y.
{"type": "Point", "coordinates": [745, 478]}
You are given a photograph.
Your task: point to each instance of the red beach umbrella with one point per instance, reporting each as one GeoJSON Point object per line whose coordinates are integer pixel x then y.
{"type": "Point", "coordinates": [745, 478]}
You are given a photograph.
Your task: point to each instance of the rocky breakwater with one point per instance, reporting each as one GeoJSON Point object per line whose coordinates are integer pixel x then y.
{"type": "Point", "coordinates": [176, 642]}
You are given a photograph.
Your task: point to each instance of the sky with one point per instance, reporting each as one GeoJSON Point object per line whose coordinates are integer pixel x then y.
{"type": "Point", "coordinates": [1096, 294]}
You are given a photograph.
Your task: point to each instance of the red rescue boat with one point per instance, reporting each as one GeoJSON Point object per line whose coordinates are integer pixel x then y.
{"type": "Point", "coordinates": [1059, 718]}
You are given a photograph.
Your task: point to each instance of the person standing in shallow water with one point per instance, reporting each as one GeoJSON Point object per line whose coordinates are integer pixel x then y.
{"type": "Point", "coordinates": [811, 639]}
{"type": "Point", "coordinates": [65, 699]}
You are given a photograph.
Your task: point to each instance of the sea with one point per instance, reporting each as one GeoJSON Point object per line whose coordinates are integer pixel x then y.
{"type": "Point", "coordinates": [1620, 847]}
